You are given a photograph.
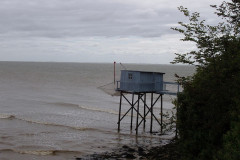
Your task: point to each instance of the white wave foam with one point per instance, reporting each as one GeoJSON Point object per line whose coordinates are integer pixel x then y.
{"type": "Point", "coordinates": [98, 109]}
{"type": "Point", "coordinates": [54, 124]}
{"type": "Point", "coordinates": [6, 116]}
{"type": "Point", "coordinates": [110, 111]}
{"type": "Point", "coordinates": [85, 107]}
{"type": "Point", "coordinates": [32, 152]}
{"type": "Point", "coordinates": [39, 152]}
{"type": "Point", "coordinates": [65, 104]}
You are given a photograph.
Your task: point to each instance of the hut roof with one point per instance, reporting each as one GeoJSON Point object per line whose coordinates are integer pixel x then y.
{"type": "Point", "coordinates": [143, 71]}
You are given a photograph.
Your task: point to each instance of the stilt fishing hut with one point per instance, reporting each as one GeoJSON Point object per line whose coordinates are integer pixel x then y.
{"type": "Point", "coordinates": [141, 83]}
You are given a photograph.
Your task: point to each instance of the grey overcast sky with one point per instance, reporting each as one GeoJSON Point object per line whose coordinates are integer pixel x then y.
{"type": "Point", "coordinates": [128, 31]}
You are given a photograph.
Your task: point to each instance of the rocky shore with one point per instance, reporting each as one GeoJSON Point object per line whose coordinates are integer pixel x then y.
{"type": "Point", "coordinates": [165, 152]}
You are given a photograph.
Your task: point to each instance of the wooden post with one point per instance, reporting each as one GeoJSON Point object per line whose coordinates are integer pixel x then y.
{"type": "Point", "coordinates": [144, 111]}
{"type": "Point", "coordinates": [119, 115]}
{"type": "Point", "coordinates": [161, 115]}
{"type": "Point", "coordinates": [137, 114]}
{"type": "Point", "coordinates": [151, 110]}
{"type": "Point", "coordinates": [114, 74]}
{"type": "Point", "coordinates": [132, 109]}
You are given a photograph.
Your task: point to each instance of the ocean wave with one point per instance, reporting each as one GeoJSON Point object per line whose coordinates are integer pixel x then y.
{"type": "Point", "coordinates": [111, 111]}
{"type": "Point", "coordinates": [6, 116]}
{"type": "Point", "coordinates": [90, 108]}
{"type": "Point", "coordinates": [85, 107]}
{"type": "Point", "coordinates": [38, 152]}
{"type": "Point", "coordinates": [98, 109]}
{"type": "Point", "coordinates": [58, 125]}
{"type": "Point", "coordinates": [64, 104]}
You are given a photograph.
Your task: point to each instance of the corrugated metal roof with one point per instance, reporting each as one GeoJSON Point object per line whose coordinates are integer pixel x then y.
{"type": "Point", "coordinates": [143, 71]}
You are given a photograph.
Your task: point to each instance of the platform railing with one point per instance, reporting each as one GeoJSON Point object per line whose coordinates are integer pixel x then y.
{"type": "Point", "coordinates": [149, 87]}
{"type": "Point", "coordinates": [135, 85]}
{"type": "Point", "coordinates": [165, 91]}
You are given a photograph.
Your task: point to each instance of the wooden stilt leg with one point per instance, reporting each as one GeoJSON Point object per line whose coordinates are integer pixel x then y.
{"type": "Point", "coordinates": [119, 114]}
{"type": "Point", "coordinates": [151, 110]}
{"type": "Point", "coordinates": [144, 112]}
{"type": "Point", "coordinates": [137, 114]}
{"type": "Point", "coordinates": [132, 110]}
{"type": "Point", "coordinates": [161, 114]}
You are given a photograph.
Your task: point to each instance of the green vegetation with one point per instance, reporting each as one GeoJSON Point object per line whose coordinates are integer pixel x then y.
{"type": "Point", "coordinates": [208, 117]}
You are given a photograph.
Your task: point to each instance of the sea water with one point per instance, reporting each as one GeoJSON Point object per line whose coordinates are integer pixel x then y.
{"type": "Point", "coordinates": [57, 111]}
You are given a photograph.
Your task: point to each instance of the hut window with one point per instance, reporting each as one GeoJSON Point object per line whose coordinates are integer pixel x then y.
{"type": "Point", "coordinates": [130, 76]}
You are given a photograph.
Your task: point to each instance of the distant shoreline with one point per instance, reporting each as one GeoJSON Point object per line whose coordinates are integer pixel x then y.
{"type": "Point", "coordinates": [93, 63]}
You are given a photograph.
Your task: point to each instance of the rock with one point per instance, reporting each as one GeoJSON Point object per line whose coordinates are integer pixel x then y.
{"type": "Point", "coordinates": [128, 155]}
{"type": "Point", "coordinates": [166, 152]}
{"type": "Point", "coordinates": [125, 146]}
{"type": "Point", "coordinates": [131, 150]}
{"type": "Point", "coordinates": [128, 149]}
{"type": "Point", "coordinates": [141, 151]}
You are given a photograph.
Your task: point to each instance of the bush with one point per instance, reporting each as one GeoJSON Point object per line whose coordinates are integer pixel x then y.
{"type": "Point", "coordinates": [208, 109]}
